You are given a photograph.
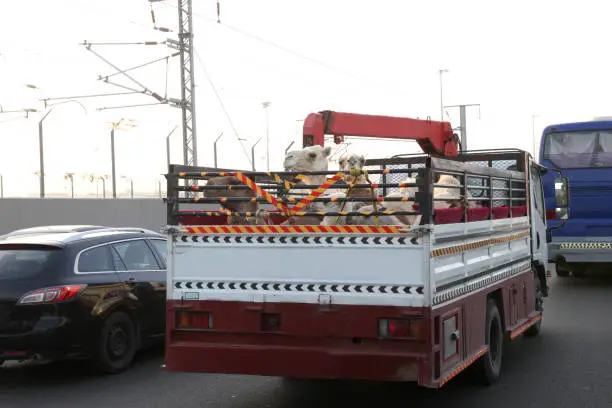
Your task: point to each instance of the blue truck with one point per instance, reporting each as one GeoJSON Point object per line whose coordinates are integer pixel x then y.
{"type": "Point", "coordinates": [582, 152]}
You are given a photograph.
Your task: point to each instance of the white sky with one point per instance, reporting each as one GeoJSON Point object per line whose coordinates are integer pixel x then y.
{"type": "Point", "coordinates": [514, 58]}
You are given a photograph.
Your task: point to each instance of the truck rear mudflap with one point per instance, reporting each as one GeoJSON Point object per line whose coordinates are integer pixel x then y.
{"type": "Point", "coordinates": [298, 340]}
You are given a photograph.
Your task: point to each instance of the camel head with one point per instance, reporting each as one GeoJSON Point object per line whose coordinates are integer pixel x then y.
{"type": "Point", "coordinates": [351, 161]}
{"type": "Point", "coordinates": [311, 158]}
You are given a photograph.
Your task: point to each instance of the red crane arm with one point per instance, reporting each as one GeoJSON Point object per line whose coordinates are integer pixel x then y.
{"type": "Point", "coordinates": [433, 137]}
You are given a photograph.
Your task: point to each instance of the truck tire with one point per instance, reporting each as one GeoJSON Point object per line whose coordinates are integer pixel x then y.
{"type": "Point", "coordinates": [116, 344]}
{"type": "Point", "coordinates": [488, 367]}
{"type": "Point", "coordinates": [539, 301]}
{"type": "Point", "coordinates": [562, 273]}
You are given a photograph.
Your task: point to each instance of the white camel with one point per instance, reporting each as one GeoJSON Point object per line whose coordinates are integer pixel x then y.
{"type": "Point", "coordinates": [452, 195]}
{"type": "Point", "coordinates": [309, 159]}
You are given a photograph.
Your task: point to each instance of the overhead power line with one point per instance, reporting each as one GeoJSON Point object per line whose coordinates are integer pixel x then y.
{"type": "Point", "coordinates": [227, 115]}
{"type": "Point", "coordinates": [300, 55]}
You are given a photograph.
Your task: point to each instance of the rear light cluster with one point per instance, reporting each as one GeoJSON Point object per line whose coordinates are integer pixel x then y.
{"type": "Point", "coordinates": [551, 214]}
{"type": "Point", "coordinates": [186, 319]}
{"type": "Point", "coordinates": [400, 328]}
{"type": "Point", "coordinates": [55, 294]}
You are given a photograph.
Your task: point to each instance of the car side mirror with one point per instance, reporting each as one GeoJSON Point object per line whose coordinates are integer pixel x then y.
{"type": "Point", "coordinates": [562, 198]}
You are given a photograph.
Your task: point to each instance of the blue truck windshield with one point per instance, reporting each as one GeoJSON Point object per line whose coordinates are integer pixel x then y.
{"type": "Point", "coordinates": [579, 149]}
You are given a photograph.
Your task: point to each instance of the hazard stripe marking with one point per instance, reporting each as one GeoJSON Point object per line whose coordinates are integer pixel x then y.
{"type": "Point", "coordinates": [463, 366]}
{"type": "Point", "coordinates": [295, 229]}
{"type": "Point", "coordinates": [297, 240]}
{"type": "Point", "coordinates": [436, 253]}
{"type": "Point", "coordinates": [471, 286]}
{"type": "Point", "coordinates": [522, 328]}
{"type": "Point", "coordinates": [299, 287]}
{"type": "Point", "coordinates": [586, 245]}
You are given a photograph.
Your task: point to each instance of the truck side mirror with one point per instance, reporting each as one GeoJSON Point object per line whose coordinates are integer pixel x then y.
{"type": "Point", "coordinates": [561, 198]}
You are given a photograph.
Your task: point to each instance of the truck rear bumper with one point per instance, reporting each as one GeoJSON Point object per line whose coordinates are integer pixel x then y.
{"type": "Point", "coordinates": [332, 342]}
{"type": "Point", "coordinates": [295, 362]}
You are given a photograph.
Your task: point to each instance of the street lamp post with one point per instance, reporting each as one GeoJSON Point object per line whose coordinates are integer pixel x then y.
{"type": "Point", "coordinates": [113, 162]}
{"type": "Point", "coordinates": [115, 125]}
{"type": "Point", "coordinates": [70, 176]}
{"type": "Point", "coordinates": [215, 148]}
{"type": "Point", "coordinates": [41, 148]}
{"type": "Point", "coordinates": [253, 152]}
{"type": "Point", "coordinates": [131, 185]}
{"type": "Point", "coordinates": [266, 105]}
{"type": "Point", "coordinates": [442, 71]}
{"type": "Point", "coordinates": [168, 145]}
{"type": "Point", "coordinates": [289, 147]}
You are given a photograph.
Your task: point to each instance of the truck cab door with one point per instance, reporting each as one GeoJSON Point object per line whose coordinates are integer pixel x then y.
{"type": "Point", "coordinates": [539, 246]}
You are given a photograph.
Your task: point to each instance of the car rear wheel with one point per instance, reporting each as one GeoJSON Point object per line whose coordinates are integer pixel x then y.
{"type": "Point", "coordinates": [116, 344]}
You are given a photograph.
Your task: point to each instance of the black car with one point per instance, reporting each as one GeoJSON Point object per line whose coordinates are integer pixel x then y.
{"type": "Point", "coordinates": [81, 292]}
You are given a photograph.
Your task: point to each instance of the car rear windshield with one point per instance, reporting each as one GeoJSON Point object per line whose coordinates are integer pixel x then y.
{"type": "Point", "coordinates": [24, 262]}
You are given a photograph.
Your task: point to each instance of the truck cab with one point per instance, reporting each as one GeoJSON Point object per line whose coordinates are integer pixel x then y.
{"type": "Point", "coordinates": [581, 152]}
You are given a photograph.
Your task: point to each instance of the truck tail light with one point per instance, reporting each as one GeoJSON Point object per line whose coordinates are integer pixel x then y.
{"type": "Point", "coordinates": [55, 294]}
{"type": "Point", "coordinates": [186, 319]}
{"type": "Point", "coordinates": [401, 328]}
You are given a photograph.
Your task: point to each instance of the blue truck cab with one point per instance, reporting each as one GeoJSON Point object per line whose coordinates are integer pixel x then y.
{"type": "Point", "coordinates": [582, 152]}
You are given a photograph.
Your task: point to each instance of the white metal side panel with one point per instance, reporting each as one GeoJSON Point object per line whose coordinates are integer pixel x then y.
{"type": "Point", "coordinates": [359, 270]}
{"type": "Point", "coordinates": [462, 252]}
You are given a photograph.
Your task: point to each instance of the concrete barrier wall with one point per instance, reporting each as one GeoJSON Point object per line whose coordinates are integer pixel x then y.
{"type": "Point", "coordinates": [16, 213]}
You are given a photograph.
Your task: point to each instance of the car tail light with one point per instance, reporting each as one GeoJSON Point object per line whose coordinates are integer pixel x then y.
{"type": "Point", "coordinates": [400, 328]}
{"type": "Point", "coordinates": [193, 320]}
{"type": "Point", "coordinates": [550, 215]}
{"type": "Point", "coordinates": [54, 294]}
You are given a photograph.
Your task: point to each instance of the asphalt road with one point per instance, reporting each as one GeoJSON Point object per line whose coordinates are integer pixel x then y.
{"type": "Point", "coordinates": [568, 366]}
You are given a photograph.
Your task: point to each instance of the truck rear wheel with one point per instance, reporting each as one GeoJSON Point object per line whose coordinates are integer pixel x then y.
{"type": "Point", "coordinates": [488, 367]}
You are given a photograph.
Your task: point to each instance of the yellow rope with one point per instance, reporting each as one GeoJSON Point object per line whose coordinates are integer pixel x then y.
{"type": "Point", "coordinates": [355, 173]}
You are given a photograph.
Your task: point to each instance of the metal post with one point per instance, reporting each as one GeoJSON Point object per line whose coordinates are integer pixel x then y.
{"type": "Point", "coordinates": [113, 162]}
{"type": "Point", "coordinates": [462, 121]}
{"type": "Point", "coordinates": [41, 157]}
{"type": "Point", "coordinates": [103, 187]}
{"type": "Point", "coordinates": [288, 147]}
{"type": "Point", "coordinates": [266, 105]}
{"type": "Point", "coordinates": [185, 34]}
{"type": "Point", "coordinates": [168, 150]}
{"type": "Point", "coordinates": [1, 186]}
{"type": "Point", "coordinates": [132, 188]}
{"type": "Point", "coordinates": [253, 153]}
{"type": "Point", "coordinates": [168, 145]}
{"type": "Point", "coordinates": [215, 148]}
{"type": "Point", "coordinates": [442, 71]}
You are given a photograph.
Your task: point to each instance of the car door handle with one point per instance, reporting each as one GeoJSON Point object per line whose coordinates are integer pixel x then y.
{"type": "Point", "coordinates": [130, 280]}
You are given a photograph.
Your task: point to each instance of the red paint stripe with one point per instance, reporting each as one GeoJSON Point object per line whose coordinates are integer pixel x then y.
{"type": "Point", "coordinates": [360, 229]}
